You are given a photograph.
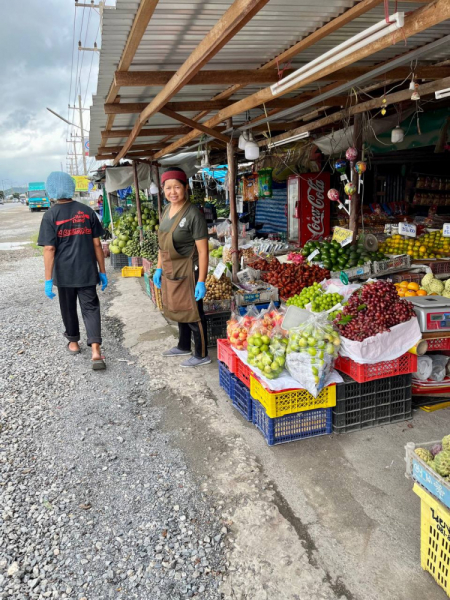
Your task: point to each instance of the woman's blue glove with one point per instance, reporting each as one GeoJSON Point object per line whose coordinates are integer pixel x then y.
{"type": "Point", "coordinates": [200, 290]}
{"type": "Point", "coordinates": [103, 281]}
{"type": "Point", "coordinates": [157, 278]}
{"type": "Point", "coordinates": [48, 289]}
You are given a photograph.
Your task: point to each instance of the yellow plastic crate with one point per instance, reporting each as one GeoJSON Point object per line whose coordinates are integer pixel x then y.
{"type": "Point", "coordinates": [277, 404]}
{"type": "Point", "coordinates": [132, 271]}
{"type": "Point", "coordinates": [434, 538]}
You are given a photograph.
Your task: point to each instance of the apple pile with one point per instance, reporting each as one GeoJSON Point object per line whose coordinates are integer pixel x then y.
{"type": "Point", "coordinates": [237, 331]}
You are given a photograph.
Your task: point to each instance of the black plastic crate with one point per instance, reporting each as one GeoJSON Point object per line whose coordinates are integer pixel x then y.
{"type": "Point", "coordinates": [118, 261]}
{"type": "Point", "coordinates": [216, 324]}
{"type": "Point", "coordinates": [373, 403]}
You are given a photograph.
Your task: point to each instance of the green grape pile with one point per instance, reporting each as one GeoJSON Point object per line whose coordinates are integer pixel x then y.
{"type": "Point", "coordinates": [314, 294]}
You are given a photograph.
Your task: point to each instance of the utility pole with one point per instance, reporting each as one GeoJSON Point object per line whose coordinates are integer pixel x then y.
{"type": "Point", "coordinates": [76, 159]}
{"type": "Point", "coordinates": [83, 149]}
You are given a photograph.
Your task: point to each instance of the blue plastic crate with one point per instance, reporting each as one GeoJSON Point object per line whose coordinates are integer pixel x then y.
{"type": "Point", "coordinates": [243, 309]}
{"type": "Point", "coordinates": [296, 426]}
{"type": "Point", "coordinates": [242, 401]}
{"type": "Point", "coordinates": [226, 379]}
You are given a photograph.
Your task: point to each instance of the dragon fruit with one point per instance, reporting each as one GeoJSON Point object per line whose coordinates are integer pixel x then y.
{"type": "Point", "coordinates": [436, 449]}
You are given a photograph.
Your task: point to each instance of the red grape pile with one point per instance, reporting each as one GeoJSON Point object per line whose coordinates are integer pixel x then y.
{"type": "Point", "coordinates": [374, 308]}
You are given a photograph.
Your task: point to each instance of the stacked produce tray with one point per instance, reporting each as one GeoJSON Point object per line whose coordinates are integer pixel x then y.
{"type": "Point", "coordinates": [216, 324]}
{"type": "Point", "coordinates": [396, 263]}
{"type": "Point", "coordinates": [118, 261]}
{"type": "Point", "coordinates": [361, 373]}
{"type": "Point", "coordinates": [379, 402]}
{"type": "Point", "coordinates": [237, 391]}
{"type": "Point", "coordinates": [136, 261]}
{"type": "Point", "coordinates": [418, 470]}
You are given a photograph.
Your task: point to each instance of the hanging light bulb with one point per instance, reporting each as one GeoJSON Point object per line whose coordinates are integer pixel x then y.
{"type": "Point", "coordinates": [153, 188]}
{"type": "Point", "coordinates": [415, 95]}
{"type": "Point", "coordinates": [251, 148]}
{"type": "Point", "coordinates": [243, 139]}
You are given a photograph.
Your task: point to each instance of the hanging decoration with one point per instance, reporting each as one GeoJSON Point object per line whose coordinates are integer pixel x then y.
{"type": "Point", "coordinates": [383, 109]}
{"type": "Point", "coordinates": [361, 167]}
{"type": "Point", "coordinates": [265, 183]}
{"type": "Point", "coordinates": [351, 153]}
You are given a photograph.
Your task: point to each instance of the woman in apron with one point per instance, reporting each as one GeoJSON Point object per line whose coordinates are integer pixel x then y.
{"type": "Point", "coordinates": [183, 267]}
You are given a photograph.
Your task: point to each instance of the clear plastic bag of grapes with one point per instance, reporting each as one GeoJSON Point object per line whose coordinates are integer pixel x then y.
{"type": "Point", "coordinates": [311, 351]}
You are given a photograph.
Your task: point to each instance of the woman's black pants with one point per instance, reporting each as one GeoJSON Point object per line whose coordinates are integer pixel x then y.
{"type": "Point", "coordinates": [90, 311]}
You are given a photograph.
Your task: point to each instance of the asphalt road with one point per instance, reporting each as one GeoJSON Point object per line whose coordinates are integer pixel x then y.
{"type": "Point", "coordinates": [17, 225]}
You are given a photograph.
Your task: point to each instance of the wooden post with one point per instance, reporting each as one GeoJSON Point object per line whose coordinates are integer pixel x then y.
{"type": "Point", "coordinates": [355, 202]}
{"type": "Point", "coordinates": [158, 185]}
{"type": "Point", "coordinates": [138, 201]}
{"type": "Point", "coordinates": [233, 210]}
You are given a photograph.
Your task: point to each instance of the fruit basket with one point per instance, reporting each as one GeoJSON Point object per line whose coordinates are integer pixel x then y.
{"type": "Point", "coordinates": [293, 427]}
{"type": "Point", "coordinates": [361, 373]}
{"type": "Point", "coordinates": [418, 470]}
{"type": "Point", "coordinates": [227, 355]}
{"type": "Point", "coordinates": [434, 538]}
{"type": "Point", "coordinates": [277, 404]}
{"type": "Point", "coordinates": [379, 402]}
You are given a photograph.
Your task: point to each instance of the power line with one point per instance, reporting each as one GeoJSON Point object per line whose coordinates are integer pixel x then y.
{"type": "Point", "coordinates": [90, 68]}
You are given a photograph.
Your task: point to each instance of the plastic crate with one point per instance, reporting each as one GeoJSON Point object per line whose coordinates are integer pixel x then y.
{"type": "Point", "coordinates": [418, 470]}
{"type": "Point", "coordinates": [156, 295]}
{"type": "Point", "coordinates": [434, 538]}
{"type": "Point", "coordinates": [136, 261]}
{"type": "Point", "coordinates": [379, 267]}
{"type": "Point", "coordinates": [147, 264]}
{"type": "Point", "coordinates": [378, 402]}
{"type": "Point", "coordinates": [226, 379]}
{"type": "Point", "coordinates": [243, 309]}
{"type": "Point", "coordinates": [243, 372]}
{"type": "Point", "coordinates": [242, 401]}
{"type": "Point", "coordinates": [289, 428]}
{"type": "Point", "coordinates": [118, 261]}
{"type": "Point", "coordinates": [439, 267]}
{"type": "Point", "coordinates": [226, 354]}
{"type": "Point", "coordinates": [132, 271]}
{"type": "Point", "coordinates": [406, 276]}
{"type": "Point", "coordinates": [407, 363]}
{"type": "Point", "coordinates": [438, 344]}
{"type": "Point", "coordinates": [147, 285]}
{"type": "Point", "coordinates": [216, 325]}
{"type": "Point", "coordinates": [217, 306]}
{"type": "Point", "coordinates": [286, 402]}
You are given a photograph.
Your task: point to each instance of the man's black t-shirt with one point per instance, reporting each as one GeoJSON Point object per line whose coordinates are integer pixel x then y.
{"type": "Point", "coordinates": [71, 228]}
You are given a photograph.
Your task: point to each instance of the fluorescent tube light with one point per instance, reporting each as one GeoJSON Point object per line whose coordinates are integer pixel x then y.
{"type": "Point", "coordinates": [353, 44]}
{"type": "Point", "coordinates": [293, 138]}
{"type": "Point", "coordinates": [442, 94]}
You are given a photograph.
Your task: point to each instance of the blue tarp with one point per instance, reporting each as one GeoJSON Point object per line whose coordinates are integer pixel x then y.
{"type": "Point", "coordinates": [271, 211]}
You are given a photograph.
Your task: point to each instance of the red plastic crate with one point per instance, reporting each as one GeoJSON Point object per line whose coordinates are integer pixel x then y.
{"type": "Point", "coordinates": [243, 372]}
{"type": "Point", "coordinates": [136, 261]}
{"type": "Point", "coordinates": [361, 373]}
{"type": "Point", "coordinates": [227, 355]}
{"type": "Point", "coordinates": [439, 344]}
{"type": "Point", "coordinates": [147, 264]}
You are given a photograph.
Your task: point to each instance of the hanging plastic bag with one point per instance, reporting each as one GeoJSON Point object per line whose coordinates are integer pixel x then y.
{"type": "Point", "coordinates": [438, 371]}
{"type": "Point", "coordinates": [265, 183]}
{"type": "Point", "coordinates": [263, 351]}
{"type": "Point", "coordinates": [238, 327]}
{"type": "Point", "coordinates": [312, 349]}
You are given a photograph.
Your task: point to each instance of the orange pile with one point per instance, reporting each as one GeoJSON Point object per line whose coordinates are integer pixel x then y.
{"type": "Point", "coordinates": [409, 288]}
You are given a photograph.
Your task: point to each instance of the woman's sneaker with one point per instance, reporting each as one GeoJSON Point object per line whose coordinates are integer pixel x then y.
{"type": "Point", "coordinates": [196, 362]}
{"type": "Point", "coordinates": [176, 352]}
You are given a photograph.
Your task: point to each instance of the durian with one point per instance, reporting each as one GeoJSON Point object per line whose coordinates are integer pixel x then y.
{"type": "Point", "coordinates": [442, 463]}
{"type": "Point", "coordinates": [424, 454]}
{"type": "Point", "coordinates": [427, 279]}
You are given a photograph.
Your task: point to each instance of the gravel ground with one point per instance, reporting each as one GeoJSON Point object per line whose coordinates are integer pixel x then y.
{"type": "Point", "coordinates": [96, 502]}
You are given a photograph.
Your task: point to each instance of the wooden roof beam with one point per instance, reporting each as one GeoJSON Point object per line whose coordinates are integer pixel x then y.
{"type": "Point", "coordinates": [157, 131]}
{"type": "Point", "coordinates": [197, 126]}
{"type": "Point", "coordinates": [234, 19]}
{"type": "Point", "coordinates": [419, 20]}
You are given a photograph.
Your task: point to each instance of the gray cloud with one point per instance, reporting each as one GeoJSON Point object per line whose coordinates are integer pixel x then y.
{"type": "Point", "coordinates": [35, 72]}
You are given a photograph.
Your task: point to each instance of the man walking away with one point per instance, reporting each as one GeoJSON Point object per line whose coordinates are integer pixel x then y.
{"type": "Point", "coordinates": [70, 234]}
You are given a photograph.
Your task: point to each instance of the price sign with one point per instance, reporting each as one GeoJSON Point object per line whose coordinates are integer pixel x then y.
{"type": "Point", "coordinates": [313, 254]}
{"type": "Point", "coordinates": [219, 270]}
{"type": "Point", "coordinates": [407, 229]}
{"type": "Point", "coordinates": [343, 236]}
{"type": "Point", "coordinates": [446, 230]}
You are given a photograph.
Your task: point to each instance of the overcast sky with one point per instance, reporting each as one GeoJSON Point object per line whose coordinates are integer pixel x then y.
{"type": "Point", "coordinates": [35, 72]}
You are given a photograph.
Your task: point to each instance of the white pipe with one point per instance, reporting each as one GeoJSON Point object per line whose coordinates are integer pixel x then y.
{"type": "Point", "coordinates": [353, 44]}
{"type": "Point", "coordinates": [300, 136]}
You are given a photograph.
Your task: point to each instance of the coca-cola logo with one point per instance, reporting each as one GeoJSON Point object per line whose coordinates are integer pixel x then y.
{"type": "Point", "coordinates": [316, 198]}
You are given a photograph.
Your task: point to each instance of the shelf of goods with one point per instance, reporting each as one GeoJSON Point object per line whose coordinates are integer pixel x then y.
{"type": "Point", "coordinates": [379, 402]}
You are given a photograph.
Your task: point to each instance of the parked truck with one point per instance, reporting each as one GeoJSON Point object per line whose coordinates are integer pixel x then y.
{"type": "Point", "coordinates": [37, 196]}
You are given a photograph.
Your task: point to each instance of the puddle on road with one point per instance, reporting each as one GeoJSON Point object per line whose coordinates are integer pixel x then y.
{"type": "Point", "coordinates": [13, 245]}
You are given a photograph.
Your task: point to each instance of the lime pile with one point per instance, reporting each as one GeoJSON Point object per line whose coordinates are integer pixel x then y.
{"type": "Point", "coordinates": [337, 258]}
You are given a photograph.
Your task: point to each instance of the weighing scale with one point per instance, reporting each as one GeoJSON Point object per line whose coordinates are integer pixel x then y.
{"type": "Point", "coordinates": [433, 312]}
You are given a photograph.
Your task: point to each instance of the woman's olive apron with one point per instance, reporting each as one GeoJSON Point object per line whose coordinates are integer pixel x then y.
{"type": "Point", "coordinates": [178, 281]}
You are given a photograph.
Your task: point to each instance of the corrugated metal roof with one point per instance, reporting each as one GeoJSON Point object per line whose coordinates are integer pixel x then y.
{"type": "Point", "coordinates": [176, 28]}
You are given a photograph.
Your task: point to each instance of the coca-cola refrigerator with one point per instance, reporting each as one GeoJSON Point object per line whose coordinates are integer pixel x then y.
{"type": "Point", "coordinates": [308, 208]}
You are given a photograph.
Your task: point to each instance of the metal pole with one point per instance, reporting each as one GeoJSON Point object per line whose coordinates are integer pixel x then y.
{"type": "Point", "coordinates": [82, 136]}
{"type": "Point", "coordinates": [158, 184]}
{"type": "Point", "coordinates": [233, 210]}
{"type": "Point", "coordinates": [138, 202]}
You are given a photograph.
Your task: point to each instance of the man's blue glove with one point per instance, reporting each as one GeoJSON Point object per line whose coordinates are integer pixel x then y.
{"type": "Point", "coordinates": [103, 281]}
{"type": "Point", "coordinates": [200, 290]}
{"type": "Point", "coordinates": [157, 278]}
{"type": "Point", "coordinates": [48, 289]}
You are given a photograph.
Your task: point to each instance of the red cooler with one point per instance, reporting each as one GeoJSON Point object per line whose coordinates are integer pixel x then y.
{"type": "Point", "coordinates": [308, 208]}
